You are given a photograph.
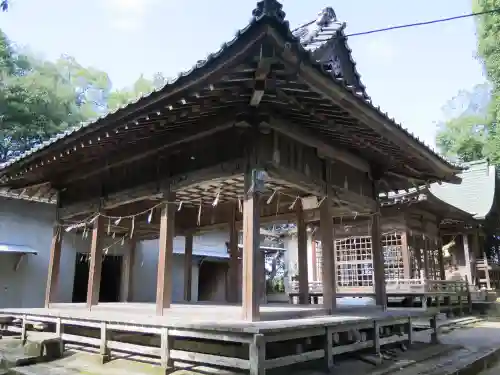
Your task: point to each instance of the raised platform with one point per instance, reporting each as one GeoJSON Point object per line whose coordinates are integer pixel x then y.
{"type": "Point", "coordinates": [216, 335]}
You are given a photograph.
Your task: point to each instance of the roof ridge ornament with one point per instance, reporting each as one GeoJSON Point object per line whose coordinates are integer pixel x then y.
{"type": "Point", "coordinates": [269, 8]}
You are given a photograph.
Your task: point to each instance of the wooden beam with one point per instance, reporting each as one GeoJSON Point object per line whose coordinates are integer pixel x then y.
{"type": "Point", "coordinates": [153, 189]}
{"type": "Point", "coordinates": [54, 266]}
{"type": "Point", "coordinates": [127, 272]}
{"type": "Point", "coordinates": [119, 160]}
{"type": "Point", "coordinates": [360, 203]}
{"type": "Point", "coordinates": [96, 253]}
{"type": "Point", "coordinates": [234, 263]}
{"type": "Point", "coordinates": [188, 266]}
{"type": "Point", "coordinates": [328, 268]}
{"type": "Point", "coordinates": [303, 136]}
{"type": "Point", "coordinates": [165, 256]}
{"type": "Point", "coordinates": [251, 248]}
{"type": "Point", "coordinates": [302, 255]}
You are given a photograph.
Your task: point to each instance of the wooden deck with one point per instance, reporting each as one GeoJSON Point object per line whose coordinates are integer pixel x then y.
{"type": "Point", "coordinates": [216, 335]}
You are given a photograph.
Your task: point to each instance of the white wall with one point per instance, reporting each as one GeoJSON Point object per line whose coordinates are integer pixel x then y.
{"type": "Point", "coordinates": [146, 263]}
{"type": "Point", "coordinates": [30, 224]}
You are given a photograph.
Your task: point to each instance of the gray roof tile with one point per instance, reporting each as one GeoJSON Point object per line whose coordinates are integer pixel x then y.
{"type": "Point", "coordinates": [476, 192]}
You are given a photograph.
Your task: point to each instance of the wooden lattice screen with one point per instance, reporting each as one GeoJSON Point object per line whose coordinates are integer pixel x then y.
{"type": "Point", "coordinates": [354, 260]}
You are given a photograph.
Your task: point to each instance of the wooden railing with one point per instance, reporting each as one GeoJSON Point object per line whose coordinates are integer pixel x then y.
{"type": "Point", "coordinates": [400, 286]}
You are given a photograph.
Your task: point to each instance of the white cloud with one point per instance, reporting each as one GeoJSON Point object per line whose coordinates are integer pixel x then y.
{"type": "Point", "coordinates": [127, 15]}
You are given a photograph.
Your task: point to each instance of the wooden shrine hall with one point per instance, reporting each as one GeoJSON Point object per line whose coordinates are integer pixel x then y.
{"type": "Point", "coordinates": [235, 142]}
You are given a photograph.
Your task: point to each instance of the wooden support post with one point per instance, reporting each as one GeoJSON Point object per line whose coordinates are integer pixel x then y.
{"type": "Point", "coordinates": [127, 272]}
{"type": "Point", "coordinates": [188, 266]}
{"type": "Point", "coordinates": [54, 266]}
{"type": "Point", "coordinates": [435, 331]}
{"type": "Point", "coordinates": [59, 333]}
{"type": "Point", "coordinates": [302, 255]}
{"type": "Point", "coordinates": [166, 345]}
{"type": "Point", "coordinates": [24, 329]}
{"type": "Point", "coordinates": [378, 262]}
{"type": "Point", "coordinates": [425, 249]}
{"type": "Point", "coordinates": [96, 254]}
{"type": "Point", "coordinates": [376, 338]}
{"type": "Point", "coordinates": [442, 271]}
{"type": "Point", "coordinates": [257, 355]}
{"type": "Point", "coordinates": [328, 268]}
{"type": "Point", "coordinates": [410, 331]}
{"type": "Point", "coordinates": [251, 247]}
{"type": "Point", "coordinates": [234, 263]}
{"type": "Point", "coordinates": [103, 347]}
{"type": "Point", "coordinates": [468, 270]}
{"type": "Point", "coordinates": [329, 350]}
{"type": "Point", "coordinates": [165, 256]}
{"type": "Point", "coordinates": [477, 254]}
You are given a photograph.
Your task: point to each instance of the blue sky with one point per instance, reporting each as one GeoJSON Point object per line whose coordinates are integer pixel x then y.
{"type": "Point", "coordinates": [410, 73]}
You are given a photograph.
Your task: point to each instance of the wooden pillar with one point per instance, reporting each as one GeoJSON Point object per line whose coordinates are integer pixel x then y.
{"type": "Point", "coordinates": [165, 256]}
{"type": "Point", "coordinates": [251, 247]}
{"type": "Point", "coordinates": [234, 263]}
{"type": "Point", "coordinates": [405, 254]}
{"type": "Point", "coordinates": [425, 249]}
{"type": "Point", "coordinates": [127, 272]}
{"type": "Point", "coordinates": [378, 262]}
{"type": "Point", "coordinates": [442, 270]}
{"type": "Point", "coordinates": [468, 270]}
{"type": "Point", "coordinates": [328, 269]}
{"type": "Point", "coordinates": [54, 265]}
{"type": "Point", "coordinates": [477, 255]}
{"type": "Point", "coordinates": [302, 255]}
{"type": "Point", "coordinates": [188, 266]}
{"type": "Point", "coordinates": [96, 254]}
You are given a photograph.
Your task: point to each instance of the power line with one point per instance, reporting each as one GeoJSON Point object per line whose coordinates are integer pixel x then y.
{"type": "Point", "coordinates": [440, 20]}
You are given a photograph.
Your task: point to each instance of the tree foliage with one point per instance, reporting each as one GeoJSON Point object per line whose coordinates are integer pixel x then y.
{"type": "Point", "coordinates": [39, 98]}
{"type": "Point", "coordinates": [472, 133]}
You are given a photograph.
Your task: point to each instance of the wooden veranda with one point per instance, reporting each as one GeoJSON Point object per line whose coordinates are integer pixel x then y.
{"type": "Point", "coordinates": [259, 132]}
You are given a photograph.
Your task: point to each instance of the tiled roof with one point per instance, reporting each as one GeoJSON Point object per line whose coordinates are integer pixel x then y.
{"type": "Point", "coordinates": [12, 194]}
{"type": "Point", "coordinates": [475, 194]}
{"type": "Point", "coordinates": [317, 34]}
{"type": "Point", "coordinates": [269, 12]}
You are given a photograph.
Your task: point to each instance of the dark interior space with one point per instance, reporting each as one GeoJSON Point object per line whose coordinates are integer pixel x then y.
{"type": "Point", "coordinates": [110, 278]}
{"type": "Point", "coordinates": [211, 281]}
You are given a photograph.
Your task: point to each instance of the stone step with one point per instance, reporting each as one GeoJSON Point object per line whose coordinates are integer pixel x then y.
{"type": "Point", "coordinates": [37, 348]}
{"type": "Point", "coordinates": [463, 361]}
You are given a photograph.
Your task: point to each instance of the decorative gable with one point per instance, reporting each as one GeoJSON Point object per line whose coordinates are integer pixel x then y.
{"type": "Point", "coordinates": [325, 39]}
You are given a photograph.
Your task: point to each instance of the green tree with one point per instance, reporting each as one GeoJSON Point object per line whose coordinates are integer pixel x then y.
{"type": "Point", "coordinates": [464, 138]}
{"type": "Point", "coordinates": [40, 98]}
{"type": "Point", "coordinates": [488, 47]}
{"type": "Point", "coordinates": [142, 86]}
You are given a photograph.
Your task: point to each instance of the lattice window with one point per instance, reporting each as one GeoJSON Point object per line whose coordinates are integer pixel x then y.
{"type": "Point", "coordinates": [354, 261]}
{"type": "Point", "coordinates": [393, 256]}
